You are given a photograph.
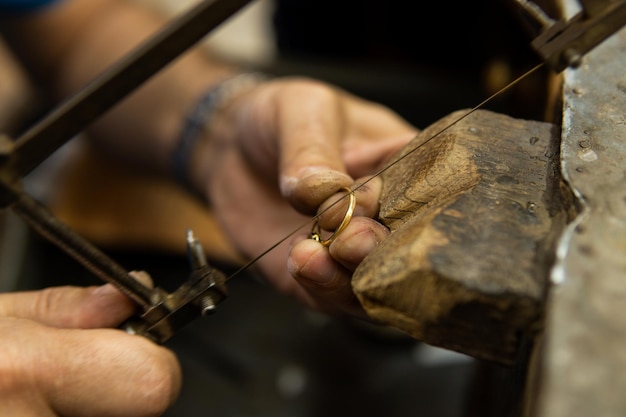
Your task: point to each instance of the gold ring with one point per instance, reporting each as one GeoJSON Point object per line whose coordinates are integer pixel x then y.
{"type": "Point", "coordinates": [316, 233]}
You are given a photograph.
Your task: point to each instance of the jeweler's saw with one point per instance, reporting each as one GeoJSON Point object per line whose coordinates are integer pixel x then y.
{"type": "Point", "coordinates": [560, 43]}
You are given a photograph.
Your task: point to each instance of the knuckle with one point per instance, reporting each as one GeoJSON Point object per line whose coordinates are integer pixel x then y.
{"type": "Point", "coordinates": [315, 91]}
{"type": "Point", "coordinates": [161, 379]}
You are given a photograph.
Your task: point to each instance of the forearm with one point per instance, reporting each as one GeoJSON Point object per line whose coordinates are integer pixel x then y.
{"type": "Point", "coordinates": [85, 37]}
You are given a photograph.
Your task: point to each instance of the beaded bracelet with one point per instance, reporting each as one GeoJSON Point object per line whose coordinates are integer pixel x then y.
{"type": "Point", "coordinates": [194, 124]}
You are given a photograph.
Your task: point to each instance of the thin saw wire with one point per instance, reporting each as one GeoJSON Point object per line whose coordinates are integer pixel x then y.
{"type": "Point", "coordinates": [387, 167]}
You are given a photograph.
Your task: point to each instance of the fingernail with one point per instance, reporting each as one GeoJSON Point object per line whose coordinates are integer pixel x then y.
{"type": "Point", "coordinates": [355, 249]}
{"type": "Point", "coordinates": [105, 290]}
{"type": "Point", "coordinates": [324, 274]}
{"type": "Point", "coordinates": [323, 174]}
{"type": "Point", "coordinates": [143, 277]}
{"type": "Point", "coordinates": [287, 185]}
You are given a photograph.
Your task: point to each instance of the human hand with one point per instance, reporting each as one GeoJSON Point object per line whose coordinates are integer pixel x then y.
{"type": "Point", "coordinates": [57, 359]}
{"type": "Point", "coordinates": [279, 152]}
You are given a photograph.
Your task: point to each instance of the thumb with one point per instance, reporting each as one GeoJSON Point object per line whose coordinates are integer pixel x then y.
{"type": "Point", "coordinates": [106, 372]}
{"type": "Point", "coordinates": [71, 372]}
{"type": "Point", "coordinates": [70, 307]}
{"type": "Point", "coordinates": [310, 134]}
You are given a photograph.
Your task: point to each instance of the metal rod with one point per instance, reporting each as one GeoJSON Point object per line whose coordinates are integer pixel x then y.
{"type": "Point", "coordinates": [536, 13]}
{"type": "Point", "coordinates": [75, 114]}
{"type": "Point", "coordinates": [83, 251]}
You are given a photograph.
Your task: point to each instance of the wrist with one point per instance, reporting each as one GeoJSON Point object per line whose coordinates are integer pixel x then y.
{"type": "Point", "coordinates": [193, 142]}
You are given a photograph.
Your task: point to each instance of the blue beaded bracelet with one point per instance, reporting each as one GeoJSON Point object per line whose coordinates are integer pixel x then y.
{"type": "Point", "coordinates": [197, 119]}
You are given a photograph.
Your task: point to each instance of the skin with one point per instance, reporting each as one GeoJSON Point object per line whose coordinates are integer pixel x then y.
{"type": "Point", "coordinates": [60, 359]}
{"type": "Point", "coordinates": [265, 165]}
{"type": "Point", "coordinates": [271, 157]}
{"type": "Point", "coordinates": [279, 163]}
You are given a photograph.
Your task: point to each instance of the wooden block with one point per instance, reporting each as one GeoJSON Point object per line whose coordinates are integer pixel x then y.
{"type": "Point", "coordinates": [472, 215]}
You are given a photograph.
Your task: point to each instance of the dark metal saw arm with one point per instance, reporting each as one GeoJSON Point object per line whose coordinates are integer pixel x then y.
{"type": "Point", "coordinates": [563, 43]}
{"type": "Point", "coordinates": [162, 313]}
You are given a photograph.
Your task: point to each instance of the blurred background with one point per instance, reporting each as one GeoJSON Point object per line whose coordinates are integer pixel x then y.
{"type": "Point", "coordinates": [262, 354]}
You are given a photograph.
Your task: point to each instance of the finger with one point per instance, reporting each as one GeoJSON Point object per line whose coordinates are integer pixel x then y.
{"type": "Point", "coordinates": [142, 377]}
{"type": "Point", "coordinates": [71, 307]}
{"type": "Point", "coordinates": [326, 282]}
{"type": "Point", "coordinates": [367, 158]}
{"type": "Point", "coordinates": [378, 134]}
{"type": "Point", "coordinates": [310, 139]}
{"type": "Point", "coordinates": [357, 241]}
{"type": "Point", "coordinates": [375, 120]}
{"type": "Point", "coordinates": [367, 194]}
{"type": "Point", "coordinates": [93, 372]}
